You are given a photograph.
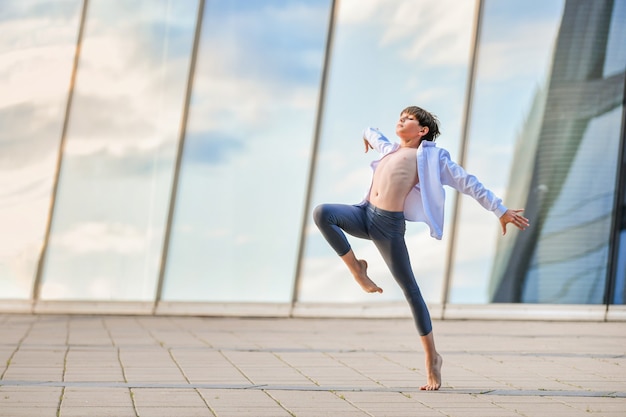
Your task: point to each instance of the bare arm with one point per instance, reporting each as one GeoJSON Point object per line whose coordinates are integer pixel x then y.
{"type": "Point", "coordinates": [514, 217]}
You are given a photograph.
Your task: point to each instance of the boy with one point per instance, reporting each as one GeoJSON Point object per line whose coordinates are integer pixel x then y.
{"type": "Point", "coordinates": [407, 184]}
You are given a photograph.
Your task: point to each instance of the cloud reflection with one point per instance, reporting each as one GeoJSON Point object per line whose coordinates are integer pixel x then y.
{"type": "Point", "coordinates": [90, 237]}
{"type": "Point", "coordinates": [36, 52]}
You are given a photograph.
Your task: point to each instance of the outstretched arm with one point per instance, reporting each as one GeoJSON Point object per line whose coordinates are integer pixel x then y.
{"type": "Point", "coordinates": [514, 217]}
{"type": "Point", "coordinates": [375, 140]}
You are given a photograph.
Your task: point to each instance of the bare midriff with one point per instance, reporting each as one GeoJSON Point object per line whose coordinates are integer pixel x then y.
{"type": "Point", "coordinates": [395, 176]}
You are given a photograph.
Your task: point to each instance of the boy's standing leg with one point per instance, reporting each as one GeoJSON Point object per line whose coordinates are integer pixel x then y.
{"type": "Point", "coordinates": [387, 233]}
{"type": "Point", "coordinates": [434, 362]}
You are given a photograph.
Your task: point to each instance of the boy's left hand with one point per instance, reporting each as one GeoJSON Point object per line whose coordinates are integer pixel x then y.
{"type": "Point", "coordinates": [514, 217]}
{"type": "Point", "coordinates": [368, 146]}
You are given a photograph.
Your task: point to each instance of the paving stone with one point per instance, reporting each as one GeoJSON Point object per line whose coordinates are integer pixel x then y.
{"type": "Point", "coordinates": [80, 411]}
{"type": "Point", "coordinates": [156, 397]}
{"type": "Point", "coordinates": [46, 397]}
{"type": "Point", "coordinates": [12, 411]}
{"type": "Point", "coordinates": [96, 397]}
{"type": "Point", "coordinates": [227, 403]}
{"type": "Point", "coordinates": [178, 411]}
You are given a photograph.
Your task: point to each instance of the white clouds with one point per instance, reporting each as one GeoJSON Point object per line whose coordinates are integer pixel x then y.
{"type": "Point", "coordinates": [359, 11]}
{"type": "Point", "coordinates": [255, 68]}
{"type": "Point", "coordinates": [90, 237]}
{"type": "Point", "coordinates": [296, 13]}
{"type": "Point", "coordinates": [354, 180]}
{"type": "Point", "coordinates": [513, 53]}
{"type": "Point", "coordinates": [427, 33]}
{"type": "Point", "coordinates": [36, 52]}
{"type": "Point", "coordinates": [231, 108]}
{"type": "Point", "coordinates": [436, 33]}
{"type": "Point", "coordinates": [121, 101]}
{"type": "Point", "coordinates": [23, 79]}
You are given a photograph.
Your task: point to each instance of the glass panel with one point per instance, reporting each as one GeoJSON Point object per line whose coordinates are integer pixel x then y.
{"type": "Point", "coordinates": [116, 177]}
{"type": "Point", "coordinates": [549, 140]}
{"type": "Point", "coordinates": [247, 152]}
{"type": "Point", "coordinates": [619, 296]}
{"type": "Point", "coordinates": [515, 52]}
{"type": "Point", "coordinates": [615, 64]}
{"type": "Point", "coordinates": [36, 54]}
{"type": "Point", "coordinates": [386, 55]}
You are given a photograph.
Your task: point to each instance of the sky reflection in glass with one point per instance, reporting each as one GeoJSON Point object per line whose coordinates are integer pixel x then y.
{"type": "Point", "coordinates": [515, 54]}
{"type": "Point", "coordinates": [114, 189]}
{"type": "Point", "coordinates": [247, 152]}
{"type": "Point", "coordinates": [386, 55]}
{"type": "Point", "coordinates": [36, 54]}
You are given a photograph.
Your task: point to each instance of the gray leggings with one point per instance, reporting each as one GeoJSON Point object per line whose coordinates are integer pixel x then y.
{"type": "Point", "coordinates": [384, 228]}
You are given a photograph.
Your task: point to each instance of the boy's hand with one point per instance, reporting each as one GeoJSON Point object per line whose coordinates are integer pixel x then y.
{"type": "Point", "coordinates": [367, 145]}
{"type": "Point", "coordinates": [514, 217]}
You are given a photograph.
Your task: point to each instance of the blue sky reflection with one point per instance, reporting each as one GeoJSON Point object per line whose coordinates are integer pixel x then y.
{"type": "Point", "coordinates": [247, 152]}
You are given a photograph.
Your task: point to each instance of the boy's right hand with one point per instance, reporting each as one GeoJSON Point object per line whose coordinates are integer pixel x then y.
{"type": "Point", "coordinates": [514, 217]}
{"type": "Point", "coordinates": [368, 146]}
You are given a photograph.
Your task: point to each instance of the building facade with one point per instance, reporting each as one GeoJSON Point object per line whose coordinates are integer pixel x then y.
{"type": "Point", "coordinates": [164, 157]}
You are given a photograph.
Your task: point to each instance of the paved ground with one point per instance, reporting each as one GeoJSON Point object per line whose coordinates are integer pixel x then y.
{"type": "Point", "coordinates": [61, 366]}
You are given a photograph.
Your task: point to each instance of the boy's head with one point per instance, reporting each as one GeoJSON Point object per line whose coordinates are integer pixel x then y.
{"type": "Point", "coordinates": [425, 119]}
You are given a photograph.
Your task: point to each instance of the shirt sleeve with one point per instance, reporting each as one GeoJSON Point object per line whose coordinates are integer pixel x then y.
{"type": "Point", "coordinates": [378, 141]}
{"type": "Point", "coordinates": [453, 175]}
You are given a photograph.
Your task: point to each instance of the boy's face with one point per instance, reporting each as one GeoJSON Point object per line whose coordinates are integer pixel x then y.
{"type": "Point", "coordinates": [409, 128]}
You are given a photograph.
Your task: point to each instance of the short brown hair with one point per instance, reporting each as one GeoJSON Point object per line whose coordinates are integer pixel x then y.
{"type": "Point", "coordinates": [425, 119]}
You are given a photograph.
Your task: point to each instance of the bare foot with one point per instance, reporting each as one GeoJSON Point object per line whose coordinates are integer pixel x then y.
{"type": "Point", "coordinates": [433, 374]}
{"type": "Point", "coordinates": [364, 281]}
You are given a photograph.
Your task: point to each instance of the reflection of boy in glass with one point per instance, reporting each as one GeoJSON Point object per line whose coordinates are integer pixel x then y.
{"type": "Point", "coordinates": [407, 184]}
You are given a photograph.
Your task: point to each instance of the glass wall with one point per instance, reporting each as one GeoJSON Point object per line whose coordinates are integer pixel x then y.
{"type": "Point", "coordinates": [244, 170]}
{"type": "Point", "coordinates": [36, 54]}
{"type": "Point", "coordinates": [552, 137]}
{"type": "Point", "coordinates": [116, 174]}
{"type": "Point", "coordinates": [514, 57]}
{"type": "Point", "coordinates": [386, 55]}
{"type": "Point", "coordinates": [126, 174]}
{"type": "Point", "coordinates": [615, 66]}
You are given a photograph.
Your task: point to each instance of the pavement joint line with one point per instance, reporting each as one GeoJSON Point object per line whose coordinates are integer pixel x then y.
{"type": "Point", "coordinates": [313, 350]}
{"type": "Point", "coordinates": [17, 347]}
{"type": "Point", "coordinates": [278, 387]}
